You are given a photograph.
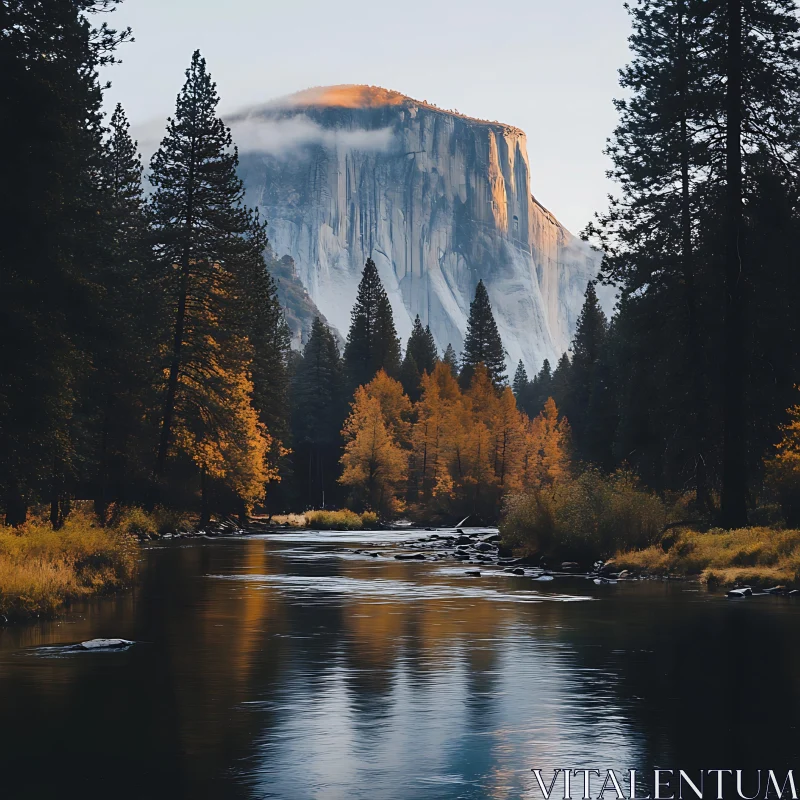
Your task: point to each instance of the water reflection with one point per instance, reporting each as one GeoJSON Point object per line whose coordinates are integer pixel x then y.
{"type": "Point", "coordinates": [274, 667]}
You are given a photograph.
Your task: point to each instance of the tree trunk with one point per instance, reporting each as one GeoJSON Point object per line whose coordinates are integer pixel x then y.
{"type": "Point", "coordinates": [734, 459]}
{"type": "Point", "coordinates": [180, 325]}
{"type": "Point", "coordinates": [693, 343]}
{"type": "Point", "coordinates": [16, 507]}
{"type": "Point", "coordinates": [205, 507]}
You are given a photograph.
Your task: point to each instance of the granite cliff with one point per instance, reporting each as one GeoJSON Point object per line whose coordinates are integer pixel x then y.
{"type": "Point", "coordinates": [439, 200]}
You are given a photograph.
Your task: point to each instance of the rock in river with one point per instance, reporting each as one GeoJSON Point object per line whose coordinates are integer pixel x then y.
{"type": "Point", "coordinates": [410, 556]}
{"type": "Point", "coordinates": [746, 592]}
{"type": "Point", "coordinates": [104, 644]}
{"type": "Point", "coordinates": [473, 572]}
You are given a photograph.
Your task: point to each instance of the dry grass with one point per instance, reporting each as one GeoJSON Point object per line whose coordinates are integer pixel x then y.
{"type": "Point", "coordinates": [292, 520]}
{"type": "Point", "coordinates": [758, 556]}
{"type": "Point", "coordinates": [42, 569]}
{"type": "Point", "coordinates": [344, 520]}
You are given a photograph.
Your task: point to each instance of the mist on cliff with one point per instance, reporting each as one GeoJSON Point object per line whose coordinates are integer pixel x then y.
{"type": "Point", "coordinates": [289, 135]}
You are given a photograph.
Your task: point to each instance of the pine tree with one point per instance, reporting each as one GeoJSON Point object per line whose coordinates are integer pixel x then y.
{"type": "Point", "coordinates": [422, 347]}
{"type": "Point", "coordinates": [209, 248]}
{"type": "Point", "coordinates": [561, 382]}
{"type": "Point", "coordinates": [482, 344]}
{"type": "Point", "coordinates": [372, 341]}
{"type": "Point", "coordinates": [520, 383]}
{"type": "Point", "coordinates": [450, 358]}
{"type": "Point", "coordinates": [410, 377]}
{"type": "Point", "coordinates": [587, 347]}
{"type": "Point", "coordinates": [318, 413]}
{"type": "Point", "coordinates": [52, 239]}
{"type": "Point", "coordinates": [120, 391]}
{"type": "Point", "coordinates": [706, 139]}
{"type": "Point", "coordinates": [538, 390]}
{"type": "Point", "coordinates": [261, 319]}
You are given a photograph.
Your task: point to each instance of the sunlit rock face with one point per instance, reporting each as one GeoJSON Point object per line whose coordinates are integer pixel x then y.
{"type": "Point", "coordinates": [437, 199]}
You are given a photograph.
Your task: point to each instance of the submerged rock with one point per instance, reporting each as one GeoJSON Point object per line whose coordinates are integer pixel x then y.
{"type": "Point", "coordinates": [104, 644]}
{"type": "Point", "coordinates": [410, 556]}
{"type": "Point", "coordinates": [473, 572]}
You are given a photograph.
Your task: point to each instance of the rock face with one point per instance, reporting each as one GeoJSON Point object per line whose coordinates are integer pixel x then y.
{"type": "Point", "coordinates": [437, 199]}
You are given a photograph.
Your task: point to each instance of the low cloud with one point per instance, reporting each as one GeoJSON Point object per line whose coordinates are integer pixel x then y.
{"type": "Point", "coordinates": [288, 135]}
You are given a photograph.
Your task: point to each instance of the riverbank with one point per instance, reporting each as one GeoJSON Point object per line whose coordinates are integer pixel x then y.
{"type": "Point", "coordinates": [759, 557]}
{"type": "Point", "coordinates": [42, 570]}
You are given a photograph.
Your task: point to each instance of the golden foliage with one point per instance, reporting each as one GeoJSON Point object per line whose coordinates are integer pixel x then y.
{"type": "Point", "coordinates": [783, 469]}
{"type": "Point", "coordinates": [374, 464]}
{"type": "Point", "coordinates": [451, 452]}
{"type": "Point", "coordinates": [219, 428]}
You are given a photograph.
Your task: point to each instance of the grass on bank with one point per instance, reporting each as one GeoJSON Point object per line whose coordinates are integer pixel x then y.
{"type": "Point", "coordinates": [595, 517]}
{"type": "Point", "coordinates": [755, 556]}
{"type": "Point", "coordinates": [344, 520]}
{"type": "Point", "coordinates": [41, 569]}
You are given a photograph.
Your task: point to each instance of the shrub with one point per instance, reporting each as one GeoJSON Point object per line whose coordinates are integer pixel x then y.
{"type": "Point", "coordinates": [41, 569]}
{"type": "Point", "coordinates": [137, 522]}
{"type": "Point", "coordinates": [344, 520]}
{"type": "Point", "coordinates": [584, 518]}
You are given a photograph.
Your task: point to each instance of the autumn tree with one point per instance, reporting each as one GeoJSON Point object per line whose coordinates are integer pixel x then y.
{"type": "Point", "coordinates": [209, 247]}
{"type": "Point", "coordinates": [546, 454]}
{"type": "Point", "coordinates": [373, 464]}
{"type": "Point", "coordinates": [432, 436]}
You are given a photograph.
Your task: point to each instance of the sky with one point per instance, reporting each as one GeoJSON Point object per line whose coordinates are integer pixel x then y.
{"type": "Point", "coordinates": [546, 66]}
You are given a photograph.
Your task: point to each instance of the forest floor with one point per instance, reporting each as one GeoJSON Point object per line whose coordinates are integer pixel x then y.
{"type": "Point", "coordinates": [42, 570]}
{"type": "Point", "coordinates": [758, 557]}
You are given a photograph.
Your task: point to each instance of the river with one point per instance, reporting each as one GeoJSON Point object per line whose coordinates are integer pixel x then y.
{"type": "Point", "coordinates": [280, 666]}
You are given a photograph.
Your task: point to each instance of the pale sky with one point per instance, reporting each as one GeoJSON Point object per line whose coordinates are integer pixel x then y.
{"type": "Point", "coordinates": [546, 66]}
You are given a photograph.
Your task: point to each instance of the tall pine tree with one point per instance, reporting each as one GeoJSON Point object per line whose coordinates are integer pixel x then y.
{"type": "Point", "coordinates": [318, 413]}
{"type": "Point", "coordinates": [372, 342]}
{"type": "Point", "coordinates": [482, 344]}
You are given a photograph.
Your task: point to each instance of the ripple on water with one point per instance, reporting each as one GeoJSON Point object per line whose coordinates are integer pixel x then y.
{"type": "Point", "coordinates": [385, 590]}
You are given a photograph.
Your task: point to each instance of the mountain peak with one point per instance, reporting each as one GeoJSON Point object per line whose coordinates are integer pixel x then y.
{"type": "Point", "coordinates": [362, 96]}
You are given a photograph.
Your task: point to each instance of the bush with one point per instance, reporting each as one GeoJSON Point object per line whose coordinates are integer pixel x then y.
{"type": "Point", "coordinates": [42, 569]}
{"type": "Point", "coordinates": [137, 522]}
{"type": "Point", "coordinates": [584, 518]}
{"type": "Point", "coordinates": [344, 520]}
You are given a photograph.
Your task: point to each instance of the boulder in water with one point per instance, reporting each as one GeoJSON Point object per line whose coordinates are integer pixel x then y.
{"type": "Point", "coordinates": [410, 556]}
{"type": "Point", "coordinates": [740, 593]}
{"type": "Point", "coordinates": [473, 572]}
{"type": "Point", "coordinates": [104, 644]}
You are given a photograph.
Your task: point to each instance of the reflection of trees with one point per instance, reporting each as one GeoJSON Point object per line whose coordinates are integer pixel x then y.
{"type": "Point", "coordinates": [245, 685]}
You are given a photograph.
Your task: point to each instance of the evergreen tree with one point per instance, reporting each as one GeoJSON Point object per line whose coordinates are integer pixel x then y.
{"type": "Point", "coordinates": [318, 413]}
{"type": "Point", "coordinates": [410, 376]}
{"type": "Point", "coordinates": [372, 342]}
{"type": "Point", "coordinates": [707, 137]}
{"type": "Point", "coordinates": [262, 321]}
{"type": "Point", "coordinates": [422, 347]}
{"type": "Point", "coordinates": [533, 397]}
{"type": "Point", "coordinates": [119, 395]}
{"type": "Point", "coordinates": [482, 344]}
{"type": "Point", "coordinates": [450, 358]}
{"type": "Point", "coordinates": [520, 384]}
{"type": "Point", "coordinates": [561, 383]}
{"type": "Point", "coordinates": [51, 240]}
{"type": "Point", "coordinates": [207, 245]}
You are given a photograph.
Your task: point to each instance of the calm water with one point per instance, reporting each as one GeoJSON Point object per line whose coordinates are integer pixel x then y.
{"type": "Point", "coordinates": [278, 667]}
